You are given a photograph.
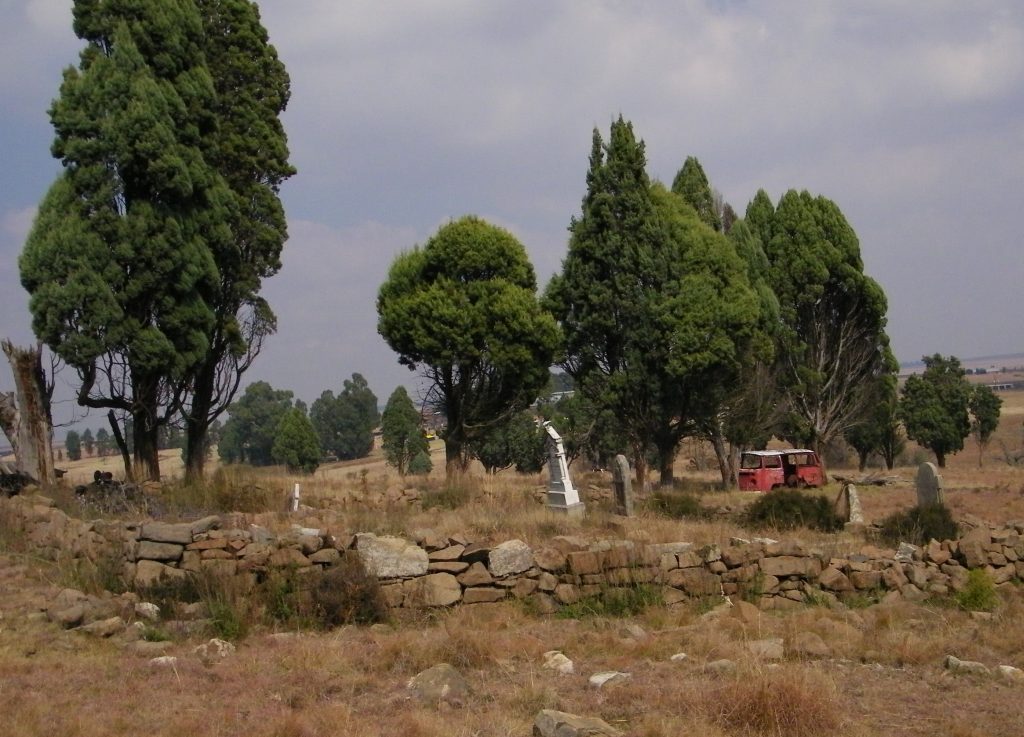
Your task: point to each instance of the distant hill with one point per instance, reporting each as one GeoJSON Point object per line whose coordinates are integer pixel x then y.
{"type": "Point", "coordinates": [991, 364]}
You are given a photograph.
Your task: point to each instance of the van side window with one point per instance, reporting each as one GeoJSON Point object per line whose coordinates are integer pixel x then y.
{"type": "Point", "coordinates": [772, 461]}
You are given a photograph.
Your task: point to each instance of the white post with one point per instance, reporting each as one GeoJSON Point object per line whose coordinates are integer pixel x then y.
{"type": "Point", "coordinates": [295, 498]}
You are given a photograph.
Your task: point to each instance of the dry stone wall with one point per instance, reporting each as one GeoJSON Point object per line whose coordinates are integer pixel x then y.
{"type": "Point", "coordinates": [437, 571]}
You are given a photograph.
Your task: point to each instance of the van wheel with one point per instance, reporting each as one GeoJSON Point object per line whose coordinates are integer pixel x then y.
{"type": "Point", "coordinates": [793, 481]}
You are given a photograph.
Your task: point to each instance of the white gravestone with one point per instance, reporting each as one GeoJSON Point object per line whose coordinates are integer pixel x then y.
{"type": "Point", "coordinates": [562, 495]}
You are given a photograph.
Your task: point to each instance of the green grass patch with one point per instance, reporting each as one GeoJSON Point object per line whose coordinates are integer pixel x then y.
{"type": "Point", "coordinates": [624, 601]}
{"type": "Point", "coordinates": [919, 525]}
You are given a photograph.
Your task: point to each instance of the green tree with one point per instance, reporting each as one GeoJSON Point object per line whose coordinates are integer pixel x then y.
{"type": "Point", "coordinates": [103, 442]}
{"type": "Point", "coordinates": [691, 183]}
{"type": "Point", "coordinates": [345, 424]}
{"type": "Point", "coordinates": [832, 345]}
{"type": "Point", "coordinates": [934, 406]}
{"type": "Point", "coordinates": [119, 261]}
{"type": "Point", "coordinates": [463, 310]}
{"type": "Point", "coordinates": [248, 435]}
{"type": "Point", "coordinates": [421, 465]}
{"type": "Point", "coordinates": [73, 445]}
{"type": "Point", "coordinates": [88, 442]}
{"type": "Point", "coordinates": [983, 406]}
{"type": "Point", "coordinates": [401, 434]}
{"type": "Point", "coordinates": [879, 430]}
{"type": "Point", "coordinates": [516, 442]}
{"type": "Point", "coordinates": [249, 150]}
{"type": "Point", "coordinates": [295, 443]}
{"type": "Point", "coordinates": [654, 305]}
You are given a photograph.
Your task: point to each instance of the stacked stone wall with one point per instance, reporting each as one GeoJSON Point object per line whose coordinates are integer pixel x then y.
{"type": "Point", "coordinates": [437, 571]}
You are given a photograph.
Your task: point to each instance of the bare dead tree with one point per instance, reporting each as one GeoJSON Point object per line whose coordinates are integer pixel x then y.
{"type": "Point", "coordinates": [32, 420]}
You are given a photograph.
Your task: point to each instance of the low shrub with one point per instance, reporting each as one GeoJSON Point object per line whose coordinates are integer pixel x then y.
{"type": "Point", "coordinates": [348, 594]}
{"type": "Point", "coordinates": [785, 509]}
{"type": "Point", "coordinates": [678, 506]}
{"type": "Point", "coordinates": [979, 595]}
{"type": "Point", "coordinates": [919, 525]}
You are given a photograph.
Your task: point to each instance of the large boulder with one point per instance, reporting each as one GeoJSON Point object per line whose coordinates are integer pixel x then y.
{"type": "Point", "coordinates": [512, 556]}
{"type": "Point", "coordinates": [391, 557]}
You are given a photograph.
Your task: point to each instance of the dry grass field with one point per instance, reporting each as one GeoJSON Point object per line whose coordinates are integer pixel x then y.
{"type": "Point", "coordinates": [883, 674]}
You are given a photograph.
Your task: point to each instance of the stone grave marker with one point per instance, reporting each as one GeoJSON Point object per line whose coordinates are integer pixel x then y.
{"type": "Point", "coordinates": [562, 495]}
{"type": "Point", "coordinates": [623, 486]}
{"type": "Point", "coordinates": [929, 485]}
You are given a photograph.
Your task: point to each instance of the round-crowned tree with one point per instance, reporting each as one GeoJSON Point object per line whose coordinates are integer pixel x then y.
{"type": "Point", "coordinates": [463, 310]}
{"type": "Point", "coordinates": [402, 436]}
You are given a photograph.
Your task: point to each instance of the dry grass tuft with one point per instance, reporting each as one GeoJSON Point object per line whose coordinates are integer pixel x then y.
{"type": "Point", "coordinates": [781, 702]}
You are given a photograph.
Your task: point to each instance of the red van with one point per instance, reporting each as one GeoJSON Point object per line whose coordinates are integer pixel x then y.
{"type": "Point", "coordinates": [764, 470]}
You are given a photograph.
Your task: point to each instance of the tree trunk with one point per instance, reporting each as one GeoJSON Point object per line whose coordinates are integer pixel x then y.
{"type": "Point", "coordinates": [640, 465]}
{"type": "Point", "coordinates": [940, 458]}
{"type": "Point", "coordinates": [145, 429]}
{"type": "Point", "coordinates": [115, 428]}
{"type": "Point", "coordinates": [9, 420]}
{"type": "Point", "coordinates": [862, 460]}
{"type": "Point", "coordinates": [197, 423]}
{"type": "Point", "coordinates": [725, 465]}
{"type": "Point", "coordinates": [34, 423]}
{"type": "Point", "coordinates": [667, 462]}
{"type": "Point", "coordinates": [454, 457]}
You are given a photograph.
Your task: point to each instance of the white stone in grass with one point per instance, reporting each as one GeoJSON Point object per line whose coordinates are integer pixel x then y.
{"type": "Point", "coordinates": [555, 660]}
{"type": "Point", "coordinates": [606, 678]}
{"type": "Point", "coordinates": [679, 657]}
{"type": "Point", "coordinates": [965, 666]}
{"type": "Point", "coordinates": [164, 661]}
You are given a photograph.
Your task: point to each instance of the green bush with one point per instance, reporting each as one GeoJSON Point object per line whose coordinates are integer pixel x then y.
{"type": "Point", "coordinates": [348, 594]}
{"type": "Point", "coordinates": [421, 465]}
{"type": "Point", "coordinates": [678, 506]}
{"type": "Point", "coordinates": [625, 601]}
{"type": "Point", "coordinates": [979, 595]}
{"type": "Point", "coordinates": [785, 509]}
{"type": "Point", "coordinates": [919, 525]}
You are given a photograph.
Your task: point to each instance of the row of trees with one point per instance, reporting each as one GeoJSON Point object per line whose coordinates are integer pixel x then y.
{"type": "Point", "coordinates": [673, 317]}
{"type": "Point", "coordinates": [147, 255]}
{"type": "Point", "coordinates": [269, 426]}
{"type": "Point", "coordinates": [937, 408]}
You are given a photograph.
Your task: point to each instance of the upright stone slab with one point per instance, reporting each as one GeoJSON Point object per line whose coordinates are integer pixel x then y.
{"type": "Point", "coordinates": [929, 485]}
{"type": "Point", "coordinates": [623, 486]}
{"type": "Point", "coordinates": [562, 495]}
{"type": "Point", "coordinates": [847, 505]}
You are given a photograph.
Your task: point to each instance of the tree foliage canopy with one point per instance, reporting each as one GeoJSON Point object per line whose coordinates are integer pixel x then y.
{"type": "Point", "coordinates": [833, 342]}
{"type": "Point", "coordinates": [165, 216]}
{"type": "Point", "coordinates": [654, 304]}
{"type": "Point", "coordinates": [295, 442]}
{"type": "Point", "coordinates": [248, 435]}
{"type": "Point", "coordinates": [463, 310]}
{"type": "Point", "coordinates": [401, 434]}
{"type": "Point", "coordinates": [691, 183]}
{"type": "Point", "coordinates": [345, 424]}
{"type": "Point", "coordinates": [934, 406]}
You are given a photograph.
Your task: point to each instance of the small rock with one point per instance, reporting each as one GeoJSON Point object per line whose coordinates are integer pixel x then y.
{"type": "Point", "coordinates": [679, 657]}
{"type": "Point", "coordinates": [551, 723]}
{"type": "Point", "coordinates": [809, 645]}
{"type": "Point", "coordinates": [103, 627]}
{"type": "Point", "coordinates": [556, 661]}
{"type": "Point", "coordinates": [767, 649]}
{"type": "Point", "coordinates": [146, 610]}
{"type": "Point", "coordinates": [442, 683]}
{"type": "Point", "coordinates": [164, 661]}
{"type": "Point", "coordinates": [214, 650]}
{"type": "Point", "coordinates": [635, 631]}
{"type": "Point", "coordinates": [722, 666]}
{"type": "Point", "coordinates": [965, 666]}
{"type": "Point", "coordinates": [1009, 673]}
{"type": "Point", "coordinates": [608, 678]}
{"type": "Point", "coordinates": [905, 553]}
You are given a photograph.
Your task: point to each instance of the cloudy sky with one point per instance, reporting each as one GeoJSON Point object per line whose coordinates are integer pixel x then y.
{"type": "Point", "coordinates": [407, 113]}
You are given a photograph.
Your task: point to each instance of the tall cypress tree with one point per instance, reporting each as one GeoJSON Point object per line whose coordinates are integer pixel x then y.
{"type": "Point", "coordinates": [653, 303]}
{"type": "Point", "coordinates": [833, 345]}
{"type": "Point", "coordinates": [691, 183]}
{"type": "Point", "coordinates": [249, 149]}
{"type": "Point", "coordinates": [119, 262]}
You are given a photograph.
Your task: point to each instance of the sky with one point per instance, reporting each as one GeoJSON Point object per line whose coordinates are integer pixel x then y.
{"type": "Point", "coordinates": [408, 113]}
